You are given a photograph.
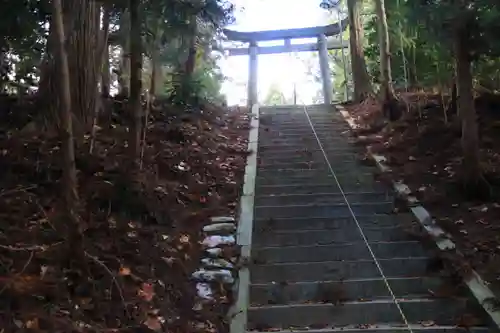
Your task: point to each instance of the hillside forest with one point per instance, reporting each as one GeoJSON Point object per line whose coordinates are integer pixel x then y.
{"type": "Point", "coordinates": [116, 149]}
{"type": "Point", "coordinates": [425, 95]}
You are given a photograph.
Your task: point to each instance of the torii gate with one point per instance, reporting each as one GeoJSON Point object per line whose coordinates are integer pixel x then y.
{"type": "Point", "coordinates": [321, 33]}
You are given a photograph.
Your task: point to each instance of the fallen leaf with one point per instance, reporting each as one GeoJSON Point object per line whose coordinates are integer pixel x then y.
{"type": "Point", "coordinates": [428, 323]}
{"type": "Point", "coordinates": [124, 271]}
{"type": "Point", "coordinates": [43, 271]}
{"type": "Point", "coordinates": [32, 324]}
{"type": "Point", "coordinates": [18, 323]}
{"type": "Point", "coordinates": [147, 292]}
{"type": "Point", "coordinates": [153, 323]}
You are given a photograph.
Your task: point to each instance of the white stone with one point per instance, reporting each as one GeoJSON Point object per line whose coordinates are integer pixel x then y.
{"type": "Point", "coordinates": [216, 240]}
{"type": "Point", "coordinates": [216, 252]}
{"type": "Point", "coordinates": [220, 275]}
{"type": "Point", "coordinates": [218, 262]}
{"type": "Point", "coordinates": [219, 227]}
{"type": "Point", "coordinates": [220, 219]}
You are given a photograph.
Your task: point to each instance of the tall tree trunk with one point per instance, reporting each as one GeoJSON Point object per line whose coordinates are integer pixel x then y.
{"type": "Point", "coordinates": [385, 51]}
{"type": "Point", "coordinates": [190, 64]}
{"type": "Point", "coordinates": [361, 79]}
{"type": "Point", "coordinates": [84, 57]}
{"type": "Point", "coordinates": [191, 59]}
{"type": "Point", "coordinates": [156, 72]}
{"type": "Point", "coordinates": [156, 75]}
{"type": "Point", "coordinates": [105, 71]}
{"type": "Point", "coordinates": [474, 182]}
{"type": "Point", "coordinates": [69, 183]}
{"type": "Point", "coordinates": [81, 18]}
{"type": "Point", "coordinates": [135, 80]}
{"type": "Point", "coordinates": [48, 92]}
{"type": "Point", "coordinates": [4, 67]}
{"type": "Point", "coordinates": [124, 77]}
{"type": "Point", "coordinates": [412, 71]}
{"type": "Point", "coordinates": [388, 95]}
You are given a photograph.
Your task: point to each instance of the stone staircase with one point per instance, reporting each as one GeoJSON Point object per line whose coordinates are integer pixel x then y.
{"type": "Point", "coordinates": [322, 265]}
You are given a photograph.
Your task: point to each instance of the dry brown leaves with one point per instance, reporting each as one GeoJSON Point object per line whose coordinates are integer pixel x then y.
{"type": "Point", "coordinates": [135, 272]}
{"type": "Point", "coordinates": [425, 153]}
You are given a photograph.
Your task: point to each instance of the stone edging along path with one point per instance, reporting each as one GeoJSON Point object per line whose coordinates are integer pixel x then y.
{"type": "Point", "coordinates": [238, 312]}
{"type": "Point", "coordinates": [444, 241]}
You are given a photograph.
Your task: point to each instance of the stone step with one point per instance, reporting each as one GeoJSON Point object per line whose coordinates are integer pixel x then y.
{"type": "Point", "coordinates": [285, 115]}
{"type": "Point", "coordinates": [289, 148]}
{"type": "Point", "coordinates": [381, 328]}
{"type": "Point", "coordinates": [343, 151]}
{"type": "Point", "coordinates": [332, 252]}
{"type": "Point", "coordinates": [326, 139]}
{"type": "Point", "coordinates": [276, 159]}
{"type": "Point", "coordinates": [327, 223]}
{"type": "Point", "coordinates": [335, 157]}
{"type": "Point", "coordinates": [350, 177]}
{"type": "Point", "coordinates": [317, 164]}
{"type": "Point", "coordinates": [342, 171]}
{"type": "Point", "coordinates": [264, 237]}
{"type": "Point", "coordinates": [348, 290]}
{"type": "Point", "coordinates": [308, 253]}
{"type": "Point", "coordinates": [273, 137]}
{"type": "Point", "coordinates": [337, 270]}
{"type": "Point", "coordinates": [331, 210]}
{"type": "Point", "coordinates": [290, 144]}
{"type": "Point", "coordinates": [305, 131]}
{"type": "Point", "coordinates": [299, 134]}
{"type": "Point", "coordinates": [325, 109]}
{"type": "Point", "coordinates": [267, 132]}
{"type": "Point", "coordinates": [294, 173]}
{"type": "Point", "coordinates": [321, 198]}
{"type": "Point", "coordinates": [309, 188]}
{"type": "Point", "coordinates": [337, 168]}
{"type": "Point", "coordinates": [339, 126]}
{"type": "Point", "coordinates": [298, 117]}
{"type": "Point", "coordinates": [291, 119]}
{"type": "Point", "coordinates": [350, 186]}
{"type": "Point", "coordinates": [278, 123]}
{"type": "Point", "coordinates": [290, 152]}
{"type": "Point", "coordinates": [284, 171]}
{"type": "Point", "coordinates": [302, 181]}
{"type": "Point", "coordinates": [339, 149]}
{"type": "Point", "coordinates": [439, 311]}
{"type": "Point", "coordinates": [334, 127]}
{"type": "Point", "coordinates": [301, 156]}
{"type": "Point", "coordinates": [336, 133]}
{"type": "Point", "coordinates": [316, 112]}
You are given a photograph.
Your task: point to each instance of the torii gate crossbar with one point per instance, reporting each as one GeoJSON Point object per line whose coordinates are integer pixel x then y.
{"type": "Point", "coordinates": [287, 35]}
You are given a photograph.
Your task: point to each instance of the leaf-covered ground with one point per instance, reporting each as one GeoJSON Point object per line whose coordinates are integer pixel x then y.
{"type": "Point", "coordinates": [141, 242]}
{"type": "Point", "coordinates": [425, 154]}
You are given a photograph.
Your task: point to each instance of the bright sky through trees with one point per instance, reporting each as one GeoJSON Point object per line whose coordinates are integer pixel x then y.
{"type": "Point", "coordinates": [280, 69]}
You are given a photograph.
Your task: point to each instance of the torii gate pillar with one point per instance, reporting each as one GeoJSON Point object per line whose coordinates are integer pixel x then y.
{"type": "Point", "coordinates": [252, 74]}
{"type": "Point", "coordinates": [325, 69]}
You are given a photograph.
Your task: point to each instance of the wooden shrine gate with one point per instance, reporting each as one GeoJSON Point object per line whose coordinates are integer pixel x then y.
{"type": "Point", "coordinates": [322, 45]}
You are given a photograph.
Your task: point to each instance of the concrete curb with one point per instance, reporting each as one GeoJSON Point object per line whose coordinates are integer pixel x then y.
{"type": "Point", "coordinates": [238, 312]}
{"type": "Point", "coordinates": [444, 241]}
